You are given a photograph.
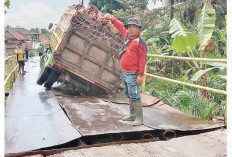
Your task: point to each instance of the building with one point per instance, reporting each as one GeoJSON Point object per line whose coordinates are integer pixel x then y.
{"type": "Point", "coordinates": [35, 37]}
{"type": "Point", "coordinates": [26, 33]}
{"type": "Point", "coordinates": [43, 38]}
{"type": "Point", "coordinates": [15, 35]}
{"type": "Point", "coordinates": [12, 38]}
{"type": "Point", "coordinates": [10, 47]}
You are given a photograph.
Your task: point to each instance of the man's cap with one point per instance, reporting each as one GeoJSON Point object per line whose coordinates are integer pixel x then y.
{"type": "Point", "coordinates": [19, 43]}
{"type": "Point", "coordinates": [133, 21]}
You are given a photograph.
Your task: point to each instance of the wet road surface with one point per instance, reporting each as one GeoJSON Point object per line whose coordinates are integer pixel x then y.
{"type": "Point", "coordinates": [35, 117]}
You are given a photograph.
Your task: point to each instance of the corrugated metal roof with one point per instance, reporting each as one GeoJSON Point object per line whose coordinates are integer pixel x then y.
{"type": "Point", "coordinates": [18, 35]}
{"type": "Point", "coordinates": [9, 36]}
{"type": "Point", "coordinates": [21, 30]}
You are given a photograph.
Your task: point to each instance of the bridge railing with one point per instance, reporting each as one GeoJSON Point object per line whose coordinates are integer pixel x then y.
{"type": "Point", "coordinates": [11, 70]}
{"type": "Point", "coordinates": [185, 83]}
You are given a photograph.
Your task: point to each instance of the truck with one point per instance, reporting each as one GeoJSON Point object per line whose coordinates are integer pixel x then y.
{"type": "Point", "coordinates": [82, 53]}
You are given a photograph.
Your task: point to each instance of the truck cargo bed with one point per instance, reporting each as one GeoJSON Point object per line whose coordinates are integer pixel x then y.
{"type": "Point", "coordinates": [86, 49]}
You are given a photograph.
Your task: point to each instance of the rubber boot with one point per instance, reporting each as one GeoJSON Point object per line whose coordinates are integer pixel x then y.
{"type": "Point", "coordinates": [132, 113]}
{"type": "Point", "coordinates": [138, 112]}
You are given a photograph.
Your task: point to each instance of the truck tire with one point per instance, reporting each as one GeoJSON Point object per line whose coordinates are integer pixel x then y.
{"type": "Point", "coordinates": [43, 75]}
{"type": "Point", "coordinates": [42, 61]}
{"type": "Point", "coordinates": [53, 77]}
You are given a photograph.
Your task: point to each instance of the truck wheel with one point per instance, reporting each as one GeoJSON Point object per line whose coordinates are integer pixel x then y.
{"type": "Point", "coordinates": [43, 75]}
{"type": "Point", "coordinates": [53, 77]}
{"type": "Point", "coordinates": [42, 61]}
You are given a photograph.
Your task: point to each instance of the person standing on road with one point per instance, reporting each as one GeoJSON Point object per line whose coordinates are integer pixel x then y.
{"type": "Point", "coordinates": [20, 57]}
{"type": "Point", "coordinates": [40, 50]}
{"type": "Point", "coordinates": [132, 61]}
{"type": "Point", "coordinates": [26, 52]}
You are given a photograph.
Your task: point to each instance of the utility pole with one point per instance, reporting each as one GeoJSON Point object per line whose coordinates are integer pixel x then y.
{"type": "Point", "coordinates": [82, 2]}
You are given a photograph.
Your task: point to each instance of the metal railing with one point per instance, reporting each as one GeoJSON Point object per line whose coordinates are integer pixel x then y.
{"type": "Point", "coordinates": [184, 83]}
{"type": "Point", "coordinates": [12, 68]}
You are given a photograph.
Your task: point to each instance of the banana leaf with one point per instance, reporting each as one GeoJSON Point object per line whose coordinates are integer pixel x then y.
{"type": "Point", "coordinates": [176, 28]}
{"type": "Point", "coordinates": [206, 25]}
{"type": "Point", "coordinates": [184, 43]}
{"type": "Point", "coordinates": [200, 73]}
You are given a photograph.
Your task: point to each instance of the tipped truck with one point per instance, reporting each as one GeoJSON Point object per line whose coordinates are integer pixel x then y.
{"type": "Point", "coordinates": [81, 54]}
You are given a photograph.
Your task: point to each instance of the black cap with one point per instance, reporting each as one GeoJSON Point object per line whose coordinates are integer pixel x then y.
{"type": "Point", "coordinates": [133, 21]}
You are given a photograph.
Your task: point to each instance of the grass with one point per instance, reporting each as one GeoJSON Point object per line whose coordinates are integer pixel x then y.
{"type": "Point", "coordinates": [7, 86]}
{"type": "Point", "coordinates": [187, 99]}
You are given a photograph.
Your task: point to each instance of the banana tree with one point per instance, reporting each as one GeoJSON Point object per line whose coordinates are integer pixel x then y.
{"type": "Point", "coordinates": [185, 41]}
{"type": "Point", "coordinates": [220, 66]}
{"type": "Point", "coordinates": [205, 27]}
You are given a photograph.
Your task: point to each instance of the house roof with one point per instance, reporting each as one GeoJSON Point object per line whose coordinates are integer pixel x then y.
{"type": "Point", "coordinates": [43, 38]}
{"type": "Point", "coordinates": [18, 35]}
{"type": "Point", "coordinates": [9, 36]}
{"type": "Point", "coordinates": [21, 30]}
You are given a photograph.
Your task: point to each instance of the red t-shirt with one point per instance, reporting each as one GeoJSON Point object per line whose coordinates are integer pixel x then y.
{"type": "Point", "coordinates": [135, 57]}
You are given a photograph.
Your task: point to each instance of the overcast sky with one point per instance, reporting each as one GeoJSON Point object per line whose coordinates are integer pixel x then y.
{"type": "Point", "coordinates": [39, 13]}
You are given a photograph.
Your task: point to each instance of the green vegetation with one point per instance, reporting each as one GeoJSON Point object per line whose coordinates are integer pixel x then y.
{"type": "Point", "coordinates": [41, 31]}
{"type": "Point", "coordinates": [7, 87]}
{"type": "Point", "coordinates": [106, 6]}
{"type": "Point", "coordinates": [195, 29]}
{"type": "Point", "coordinates": [7, 3]}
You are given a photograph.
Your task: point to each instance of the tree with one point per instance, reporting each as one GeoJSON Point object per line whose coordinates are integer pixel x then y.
{"type": "Point", "coordinates": [140, 4]}
{"type": "Point", "coordinates": [106, 6]}
{"type": "Point", "coordinates": [8, 26]}
{"type": "Point", "coordinates": [130, 8]}
{"type": "Point", "coordinates": [7, 3]}
{"type": "Point", "coordinates": [45, 32]}
{"type": "Point", "coordinates": [221, 10]}
{"type": "Point", "coordinates": [35, 30]}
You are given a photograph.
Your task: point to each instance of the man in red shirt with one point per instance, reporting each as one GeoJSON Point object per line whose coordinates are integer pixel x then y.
{"type": "Point", "coordinates": [132, 63]}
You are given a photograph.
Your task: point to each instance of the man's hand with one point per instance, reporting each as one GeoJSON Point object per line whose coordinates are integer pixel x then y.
{"type": "Point", "coordinates": [139, 80]}
{"type": "Point", "coordinates": [108, 16]}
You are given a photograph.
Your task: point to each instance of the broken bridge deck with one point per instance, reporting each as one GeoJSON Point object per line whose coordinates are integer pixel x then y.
{"type": "Point", "coordinates": [37, 118]}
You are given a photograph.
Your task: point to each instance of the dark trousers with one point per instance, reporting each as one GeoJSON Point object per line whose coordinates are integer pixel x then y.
{"type": "Point", "coordinates": [27, 55]}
